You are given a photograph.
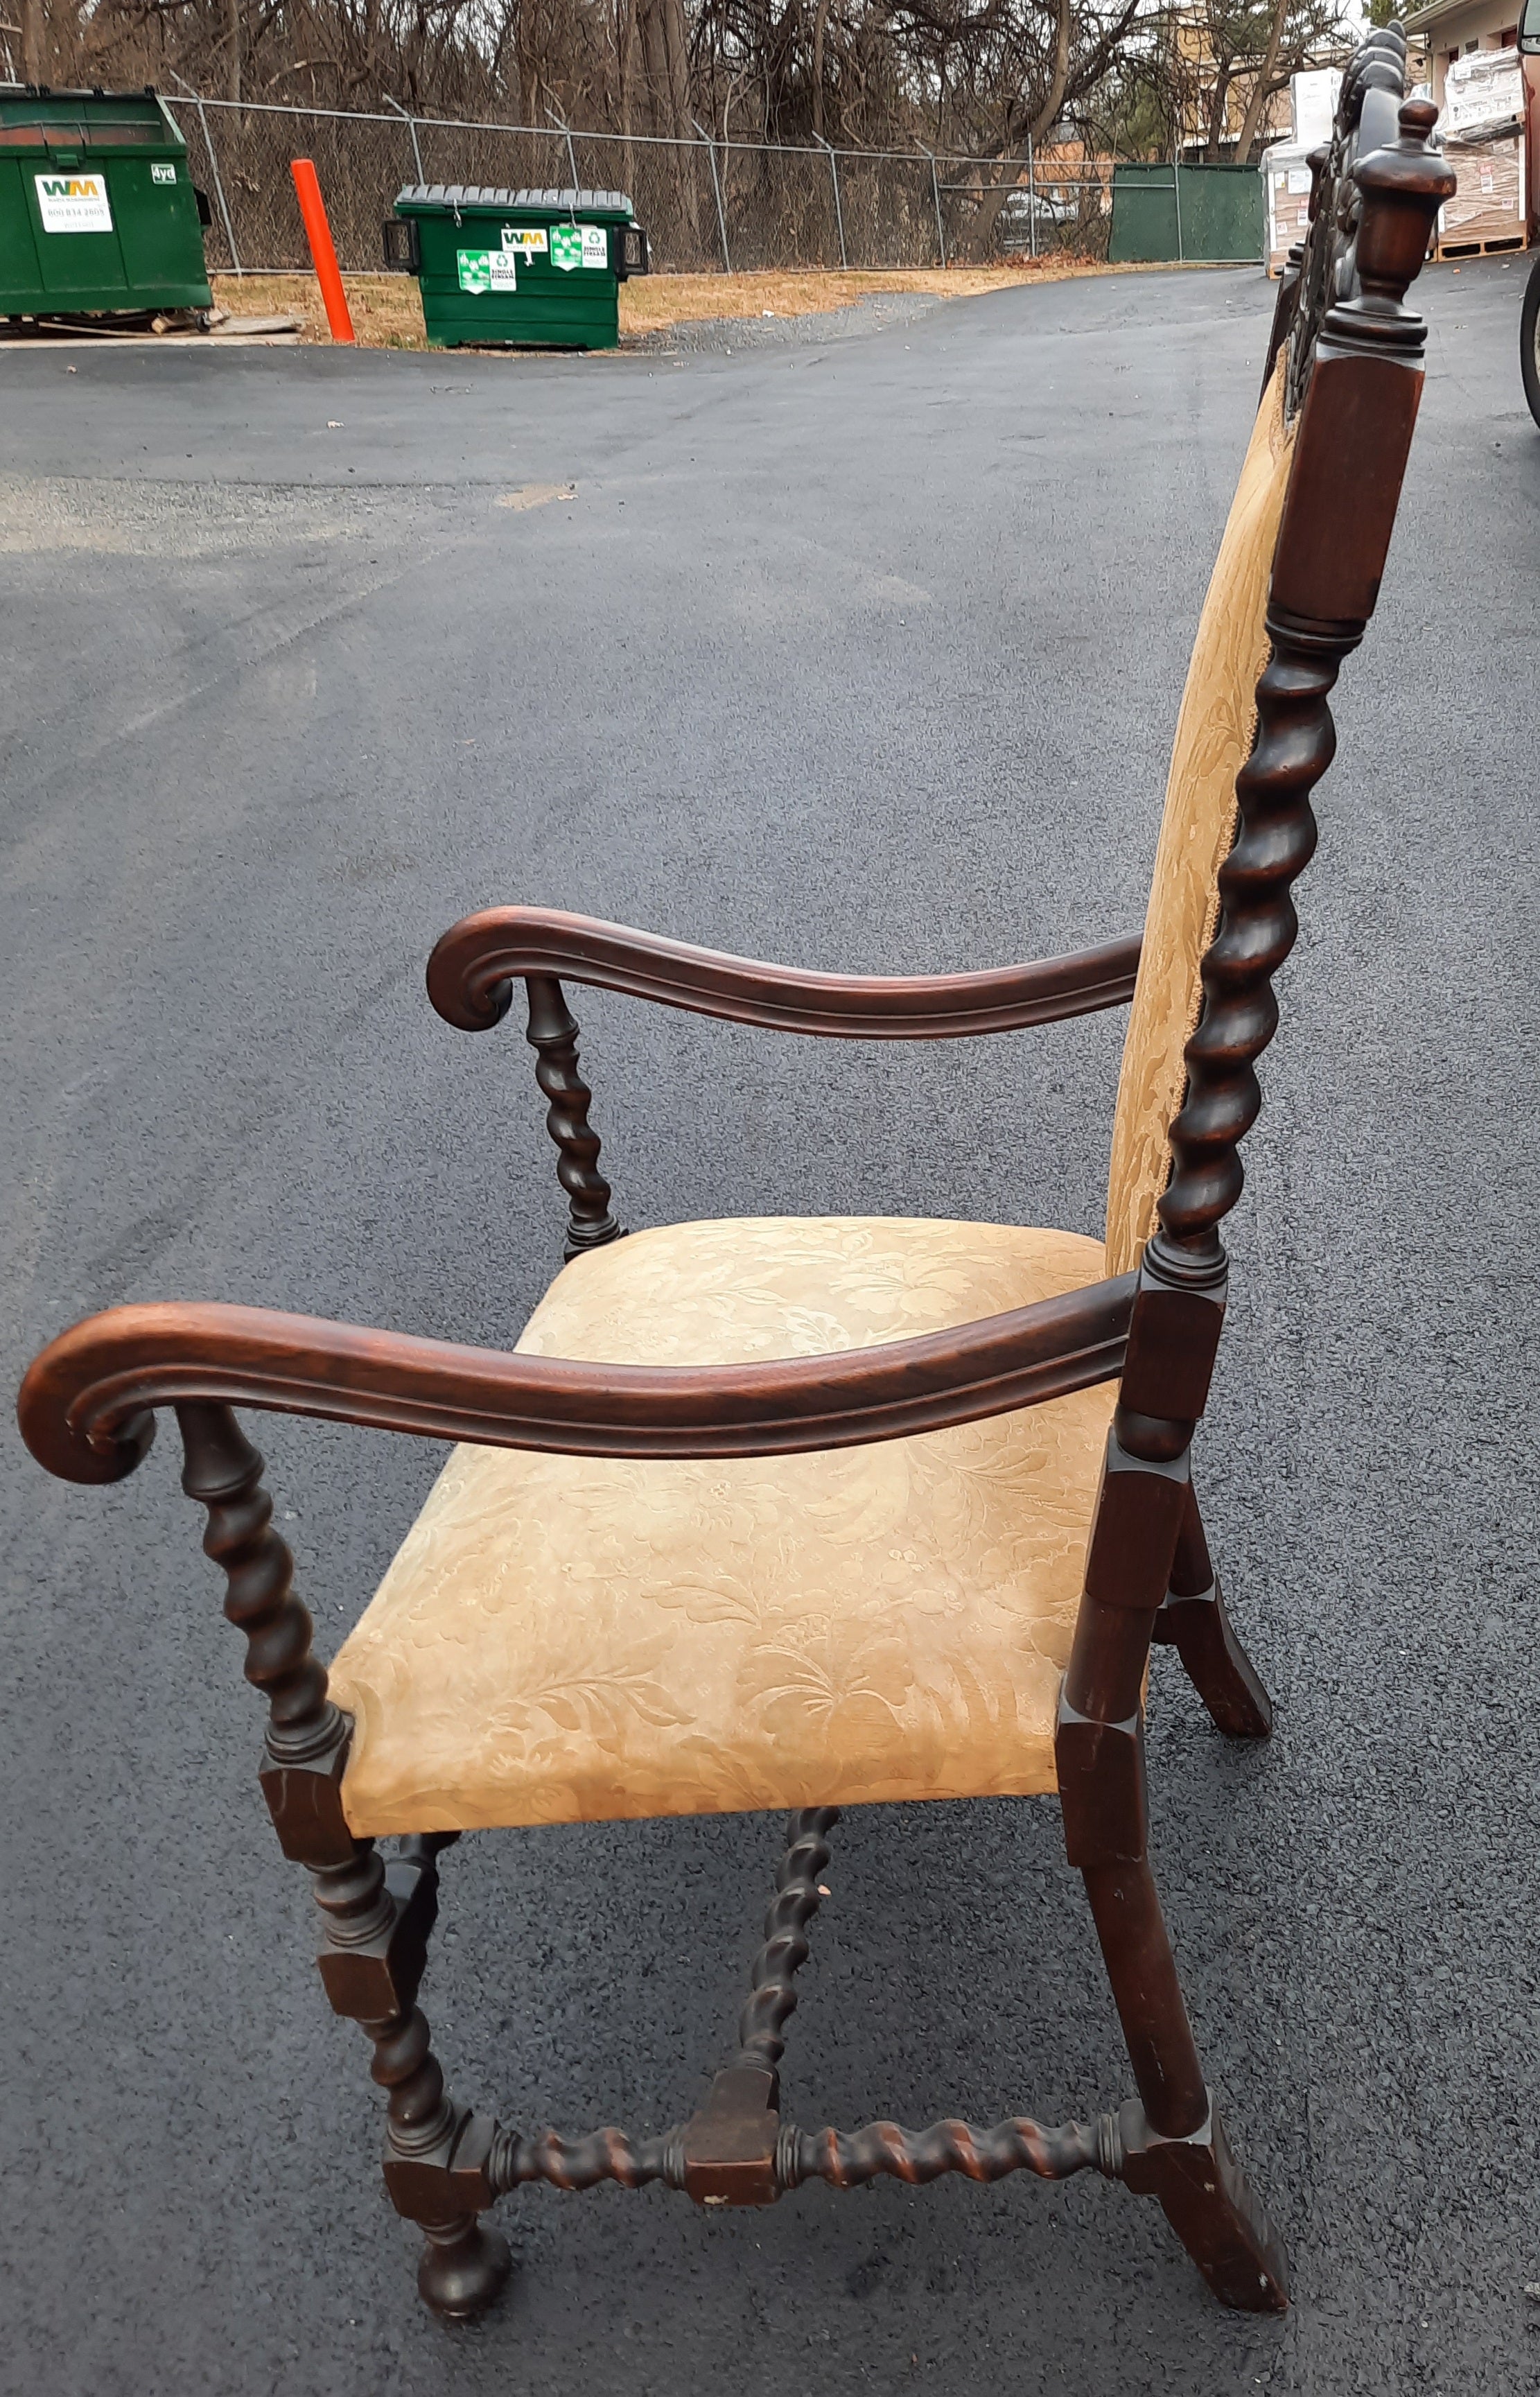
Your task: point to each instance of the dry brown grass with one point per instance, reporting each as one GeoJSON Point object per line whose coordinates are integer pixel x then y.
{"type": "Point", "coordinates": [655, 301]}
{"type": "Point", "coordinates": [388, 316]}
{"type": "Point", "coordinates": [385, 309]}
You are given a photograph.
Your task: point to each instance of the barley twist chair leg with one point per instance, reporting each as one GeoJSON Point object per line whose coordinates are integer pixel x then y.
{"type": "Point", "coordinates": [463, 2263]}
{"type": "Point", "coordinates": [1194, 1621]}
{"type": "Point", "coordinates": [378, 1917]}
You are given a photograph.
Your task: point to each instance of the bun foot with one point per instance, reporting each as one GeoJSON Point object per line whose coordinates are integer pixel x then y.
{"type": "Point", "coordinates": [463, 2268]}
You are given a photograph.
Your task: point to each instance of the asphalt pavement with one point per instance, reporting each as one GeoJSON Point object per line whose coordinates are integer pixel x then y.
{"type": "Point", "coordinates": [862, 652]}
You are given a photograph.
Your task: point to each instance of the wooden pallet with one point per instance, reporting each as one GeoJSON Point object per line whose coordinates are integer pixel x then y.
{"type": "Point", "coordinates": [1446, 249]}
{"type": "Point", "coordinates": [1455, 250]}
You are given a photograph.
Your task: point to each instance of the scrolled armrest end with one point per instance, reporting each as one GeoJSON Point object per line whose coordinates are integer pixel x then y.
{"type": "Point", "coordinates": [468, 988]}
{"type": "Point", "coordinates": [64, 1445]}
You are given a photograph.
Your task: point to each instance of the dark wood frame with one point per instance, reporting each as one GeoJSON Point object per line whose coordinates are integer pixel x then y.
{"type": "Point", "coordinates": [88, 1403]}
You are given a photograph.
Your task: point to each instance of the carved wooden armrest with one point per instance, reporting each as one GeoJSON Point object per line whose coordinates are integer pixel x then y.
{"type": "Point", "coordinates": [472, 972]}
{"type": "Point", "coordinates": [87, 1404]}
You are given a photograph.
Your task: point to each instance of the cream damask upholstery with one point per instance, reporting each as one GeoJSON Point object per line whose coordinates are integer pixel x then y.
{"type": "Point", "coordinates": [1215, 732]}
{"type": "Point", "coordinates": [573, 1639]}
{"type": "Point", "coordinates": [568, 1638]}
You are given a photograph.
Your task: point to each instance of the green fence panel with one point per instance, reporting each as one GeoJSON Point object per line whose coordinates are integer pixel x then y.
{"type": "Point", "coordinates": [1144, 216]}
{"type": "Point", "coordinates": [1221, 212]}
{"type": "Point", "coordinates": [1206, 213]}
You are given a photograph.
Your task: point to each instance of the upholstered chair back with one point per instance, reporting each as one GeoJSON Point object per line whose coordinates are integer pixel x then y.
{"type": "Point", "coordinates": [1215, 733]}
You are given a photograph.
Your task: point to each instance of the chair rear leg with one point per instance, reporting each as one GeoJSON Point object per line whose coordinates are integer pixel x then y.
{"type": "Point", "coordinates": [1174, 2143]}
{"type": "Point", "coordinates": [1195, 1623]}
{"type": "Point", "coordinates": [1174, 2148]}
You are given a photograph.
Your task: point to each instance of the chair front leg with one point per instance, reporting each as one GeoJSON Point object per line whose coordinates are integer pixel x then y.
{"type": "Point", "coordinates": [378, 1917]}
{"type": "Point", "coordinates": [1174, 2143]}
{"type": "Point", "coordinates": [1194, 1621]}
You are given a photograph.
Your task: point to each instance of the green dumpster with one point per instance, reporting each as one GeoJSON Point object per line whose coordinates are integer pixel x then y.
{"type": "Point", "coordinates": [97, 213]}
{"type": "Point", "coordinates": [526, 267]}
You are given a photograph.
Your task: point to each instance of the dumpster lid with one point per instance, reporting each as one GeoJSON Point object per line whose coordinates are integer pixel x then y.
{"type": "Point", "coordinates": [38, 116]}
{"type": "Point", "coordinates": [565, 202]}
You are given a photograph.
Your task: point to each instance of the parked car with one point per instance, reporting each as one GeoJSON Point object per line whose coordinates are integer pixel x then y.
{"type": "Point", "coordinates": [1529, 322]}
{"type": "Point", "coordinates": [1046, 214]}
{"type": "Point", "coordinates": [1528, 340]}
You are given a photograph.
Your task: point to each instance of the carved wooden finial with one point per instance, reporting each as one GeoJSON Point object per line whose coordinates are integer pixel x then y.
{"type": "Point", "coordinates": [1403, 185]}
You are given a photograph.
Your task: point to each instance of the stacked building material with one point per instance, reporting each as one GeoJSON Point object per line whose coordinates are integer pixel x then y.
{"type": "Point", "coordinates": [1490, 203]}
{"type": "Point", "coordinates": [1286, 183]}
{"type": "Point", "coordinates": [1483, 96]}
{"type": "Point", "coordinates": [1483, 130]}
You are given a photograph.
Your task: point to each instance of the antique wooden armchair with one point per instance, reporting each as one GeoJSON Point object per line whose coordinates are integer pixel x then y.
{"type": "Point", "coordinates": [816, 1512]}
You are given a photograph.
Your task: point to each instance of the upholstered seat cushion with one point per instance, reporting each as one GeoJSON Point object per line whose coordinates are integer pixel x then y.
{"type": "Point", "coordinates": [572, 1639]}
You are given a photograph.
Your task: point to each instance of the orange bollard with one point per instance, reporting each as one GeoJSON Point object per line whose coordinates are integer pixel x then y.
{"type": "Point", "coordinates": [319, 234]}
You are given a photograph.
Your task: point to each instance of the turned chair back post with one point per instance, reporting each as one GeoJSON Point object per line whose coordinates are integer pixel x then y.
{"type": "Point", "coordinates": [1358, 361]}
{"type": "Point", "coordinates": [1362, 380]}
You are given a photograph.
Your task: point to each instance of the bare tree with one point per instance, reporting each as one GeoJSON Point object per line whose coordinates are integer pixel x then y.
{"type": "Point", "coordinates": [33, 52]}
{"type": "Point", "coordinates": [980, 79]}
{"type": "Point", "coordinates": [1263, 82]}
{"type": "Point", "coordinates": [1225, 59]}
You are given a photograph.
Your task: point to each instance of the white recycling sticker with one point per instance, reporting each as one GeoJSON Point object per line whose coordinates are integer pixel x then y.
{"type": "Point", "coordinates": [575, 245]}
{"type": "Point", "coordinates": [487, 270]}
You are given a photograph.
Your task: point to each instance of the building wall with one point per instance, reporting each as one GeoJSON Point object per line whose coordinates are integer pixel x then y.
{"type": "Point", "coordinates": [1483, 25]}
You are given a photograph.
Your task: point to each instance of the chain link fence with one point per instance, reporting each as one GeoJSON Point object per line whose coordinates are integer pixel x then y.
{"type": "Point", "coordinates": [708, 207]}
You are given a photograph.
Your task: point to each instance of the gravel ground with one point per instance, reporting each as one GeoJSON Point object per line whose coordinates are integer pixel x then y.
{"type": "Point", "coordinates": [858, 652]}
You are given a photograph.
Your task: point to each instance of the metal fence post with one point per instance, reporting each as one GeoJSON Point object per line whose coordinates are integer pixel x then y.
{"type": "Point", "coordinates": [1031, 198]}
{"type": "Point", "coordinates": [839, 210]}
{"type": "Point", "coordinates": [1176, 187]}
{"type": "Point", "coordinates": [218, 186]}
{"type": "Point", "coordinates": [417, 155]}
{"type": "Point", "coordinates": [716, 187]}
{"type": "Point", "coordinates": [571, 154]}
{"type": "Point", "coordinates": [935, 194]}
